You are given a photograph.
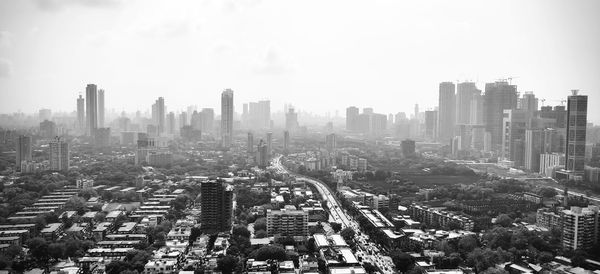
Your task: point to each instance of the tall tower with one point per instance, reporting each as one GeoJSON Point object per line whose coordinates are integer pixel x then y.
{"type": "Point", "coordinates": [59, 155]}
{"type": "Point", "coordinates": [498, 97]}
{"type": "Point", "coordinates": [331, 142]}
{"type": "Point", "coordinates": [286, 142]}
{"type": "Point", "coordinates": [159, 114]}
{"type": "Point", "coordinates": [217, 206]}
{"type": "Point", "coordinates": [351, 118]}
{"type": "Point", "coordinates": [91, 107]}
{"type": "Point", "coordinates": [446, 111]}
{"type": "Point", "coordinates": [226, 117]}
{"type": "Point", "coordinates": [250, 145]}
{"type": "Point", "coordinates": [576, 130]}
{"type": "Point", "coordinates": [464, 96]}
{"type": "Point", "coordinates": [101, 108]}
{"type": "Point", "coordinates": [269, 143]}
{"type": "Point", "coordinates": [80, 114]}
{"type": "Point", "coordinates": [23, 148]}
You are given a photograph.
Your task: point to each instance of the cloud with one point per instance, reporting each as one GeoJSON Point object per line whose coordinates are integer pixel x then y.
{"type": "Point", "coordinates": [6, 68]}
{"type": "Point", "coordinates": [56, 5]}
{"type": "Point", "coordinates": [230, 6]}
{"type": "Point", "coordinates": [274, 63]}
{"type": "Point", "coordinates": [167, 28]}
{"type": "Point", "coordinates": [5, 39]}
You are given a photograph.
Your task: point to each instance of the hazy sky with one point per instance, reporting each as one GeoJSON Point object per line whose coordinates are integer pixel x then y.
{"type": "Point", "coordinates": [319, 55]}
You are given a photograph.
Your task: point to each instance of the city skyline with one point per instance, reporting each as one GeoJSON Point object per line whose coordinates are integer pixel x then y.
{"type": "Point", "coordinates": [274, 61]}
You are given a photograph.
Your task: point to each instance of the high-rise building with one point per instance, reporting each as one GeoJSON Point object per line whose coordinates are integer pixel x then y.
{"type": "Point", "coordinates": [534, 143]}
{"type": "Point", "coordinates": [227, 117]}
{"type": "Point", "coordinates": [48, 129]}
{"type": "Point", "coordinates": [514, 124]}
{"type": "Point", "coordinates": [558, 113]}
{"type": "Point", "coordinates": [351, 118]}
{"type": "Point", "coordinates": [45, 114]}
{"type": "Point", "coordinates": [580, 227]}
{"type": "Point", "coordinates": [431, 124]}
{"type": "Point", "coordinates": [59, 155]}
{"type": "Point", "coordinates": [183, 119]}
{"type": "Point", "coordinates": [287, 222]}
{"type": "Point", "coordinates": [262, 154]}
{"type": "Point", "coordinates": [259, 114]}
{"type": "Point", "coordinates": [331, 142]}
{"type": "Point", "coordinates": [170, 123]}
{"type": "Point", "coordinates": [101, 108]}
{"type": "Point", "coordinates": [158, 115]}
{"type": "Point", "coordinates": [23, 149]}
{"type": "Point", "coordinates": [446, 111]}
{"type": "Point", "coordinates": [464, 97]}
{"type": "Point", "coordinates": [207, 120]}
{"type": "Point", "coordinates": [550, 163]}
{"type": "Point", "coordinates": [216, 199]}
{"type": "Point", "coordinates": [477, 109]}
{"type": "Point", "coordinates": [576, 130]}
{"type": "Point", "coordinates": [528, 103]}
{"type": "Point", "coordinates": [291, 120]}
{"type": "Point", "coordinates": [80, 114]}
{"type": "Point", "coordinates": [269, 143]}
{"type": "Point", "coordinates": [250, 145]}
{"type": "Point", "coordinates": [286, 141]}
{"type": "Point", "coordinates": [91, 109]}
{"type": "Point", "coordinates": [498, 97]}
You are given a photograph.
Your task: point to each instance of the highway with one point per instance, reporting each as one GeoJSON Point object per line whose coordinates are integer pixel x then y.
{"type": "Point", "coordinates": [365, 249]}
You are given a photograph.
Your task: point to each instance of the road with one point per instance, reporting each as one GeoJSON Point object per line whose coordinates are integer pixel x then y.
{"type": "Point", "coordinates": [365, 249]}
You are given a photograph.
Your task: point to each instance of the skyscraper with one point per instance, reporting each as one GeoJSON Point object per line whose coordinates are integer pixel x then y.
{"type": "Point", "coordinates": [101, 108]}
{"type": "Point", "coordinates": [431, 124]}
{"type": "Point", "coordinates": [576, 130]}
{"type": "Point", "coordinates": [446, 111]}
{"type": "Point", "coordinates": [514, 124]}
{"type": "Point", "coordinates": [464, 98]}
{"type": "Point", "coordinates": [80, 114]}
{"type": "Point", "coordinates": [159, 114]}
{"type": "Point", "coordinates": [227, 117]}
{"type": "Point", "coordinates": [216, 199]}
{"type": "Point", "coordinates": [259, 114]}
{"type": "Point", "coordinates": [59, 155]}
{"type": "Point", "coordinates": [23, 149]}
{"type": "Point", "coordinates": [269, 143]}
{"type": "Point", "coordinates": [286, 142]}
{"type": "Point", "coordinates": [498, 97]}
{"type": "Point", "coordinates": [291, 120]}
{"type": "Point", "coordinates": [91, 108]}
{"type": "Point", "coordinates": [528, 103]}
{"type": "Point", "coordinates": [207, 120]}
{"type": "Point", "coordinates": [534, 143]}
{"type": "Point", "coordinates": [170, 123]}
{"type": "Point", "coordinates": [250, 145]}
{"type": "Point", "coordinates": [351, 118]}
{"type": "Point", "coordinates": [331, 142]}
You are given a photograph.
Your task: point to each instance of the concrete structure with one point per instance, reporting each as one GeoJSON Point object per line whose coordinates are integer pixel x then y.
{"type": "Point", "coordinates": [576, 130]}
{"type": "Point", "coordinates": [23, 150]}
{"type": "Point", "coordinates": [91, 108]}
{"type": "Point", "coordinates": [580, 227]}
{"type": "Point", "coordinates": [59, 155]}
{"type": "Point", "coordinates": [217, 206]}
{"type": "Point", "coordinates": [446, 112]}
{"type": "Point", "coordinates": [101, 108]}
{"type": "Point", "coordinates": [287, 222]}
{"type": "Point", "coordinates": [498, 96]}
{"type": "Point", "coordinates": [226, 117]}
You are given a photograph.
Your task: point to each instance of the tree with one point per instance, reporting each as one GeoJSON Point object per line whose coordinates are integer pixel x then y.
{"type": "Point", "coordinates": [260, 234]}
{"type": "Point", "coordinates": [467, 244]}
{"type": "Point", "coordinates": [348, 234]}
{"type": "Point", "coordinates": [336, 227]}
{"type": "Point", "coordinates": [227, 264]}
{"type": "Point", "coordinates": [269, 252]}
{"type": "Point", "coordinates": [240, 230]}
{"type": "Point", "coordinates": [545, 257]}
{"type": "Point", "coordinates": [13, 251]}
{"type": "Point", "coordinates": [56, 250]}
{"type": "Point", "coordinates": [402, 261]}
{"type": "Point", "coordinates": [194, 234]}
{"type": "Point", "coordinates": [260, 224]}
{"type": "Point", "coordinates": [38, 248]}
{"type": "Point", "coordinates": [504, 220]}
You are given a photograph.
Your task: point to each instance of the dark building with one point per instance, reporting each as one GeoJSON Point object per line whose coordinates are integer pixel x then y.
{"type": "Point", "coordinates": [23, 149]}
{"type": "Point", "coordinates": [91, 109]}
{"type": "Point", "coordinates": [431, 124]}
{"type": "Point", "coordinates": [217, 206]}
{"type": "Point", "coordinates": [576, 130]}
{"type": "Point", "coordinates": [408, 148]}
{"type": "Point", "coordinates": [227, 117]}
{"type": "Point", "coordinates": [498, 96]}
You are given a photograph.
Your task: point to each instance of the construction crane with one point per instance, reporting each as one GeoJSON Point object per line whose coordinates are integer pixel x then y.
{"type": "Point", "coordinates": [543, 100]}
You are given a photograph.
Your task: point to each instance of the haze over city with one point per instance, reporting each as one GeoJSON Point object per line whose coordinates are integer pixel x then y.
{"type": "Point", "coordinates": [380, 54]}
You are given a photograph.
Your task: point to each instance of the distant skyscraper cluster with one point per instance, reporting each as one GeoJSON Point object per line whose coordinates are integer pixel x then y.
{"type": "Point", "coordinates": [367, 122]}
